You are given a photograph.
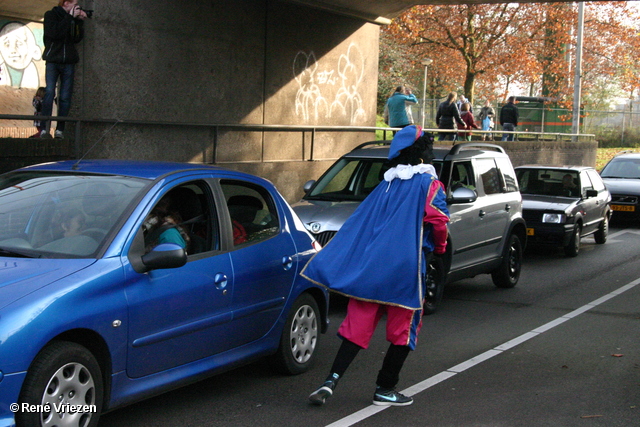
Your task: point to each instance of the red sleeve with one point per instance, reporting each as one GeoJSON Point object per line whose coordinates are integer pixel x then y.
{"type": "Point", "coordinates": [436, 216]}
{"type": "Point", "coordinates": [473, 121]}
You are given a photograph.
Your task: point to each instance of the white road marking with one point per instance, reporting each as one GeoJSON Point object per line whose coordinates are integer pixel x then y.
{"type": "Point", "coordinates": [442, 376]}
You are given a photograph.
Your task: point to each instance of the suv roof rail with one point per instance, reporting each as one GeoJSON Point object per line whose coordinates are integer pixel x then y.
{"type": "Point", "coordinates": [365, 144]}
{"type": "Point", "coordinates": [470, 145]}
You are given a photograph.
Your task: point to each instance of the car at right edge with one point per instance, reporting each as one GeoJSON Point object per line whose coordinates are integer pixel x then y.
{"type": "Point", "coordinates": [562, 204]}
{"type": "Point", "coordinates": [622, 177]}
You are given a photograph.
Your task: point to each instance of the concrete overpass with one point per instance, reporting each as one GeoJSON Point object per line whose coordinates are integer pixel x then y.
{"type": "Point", "coordinates": [175, 68]}
{"type": "Point", "coordinates": [379, 11]}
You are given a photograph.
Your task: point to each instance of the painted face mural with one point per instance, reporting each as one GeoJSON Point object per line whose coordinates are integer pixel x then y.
{"type": "Point", "coordinates": [18, 51]}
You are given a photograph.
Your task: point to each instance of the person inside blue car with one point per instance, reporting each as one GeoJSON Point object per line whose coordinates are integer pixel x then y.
{"type": "Point", "coordinates": [162, 225]}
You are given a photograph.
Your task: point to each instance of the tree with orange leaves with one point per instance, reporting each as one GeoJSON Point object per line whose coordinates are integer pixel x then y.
{"type": "Point", "coordinates": [494, 47]}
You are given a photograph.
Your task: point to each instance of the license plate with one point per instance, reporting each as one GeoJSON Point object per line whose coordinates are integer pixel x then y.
{"type": "Point", "coordinates": [530, 232]}
{"type": "Point", "coordinates": [623, 208]}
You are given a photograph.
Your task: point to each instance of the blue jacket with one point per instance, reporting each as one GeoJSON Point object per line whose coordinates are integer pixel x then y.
{"type": "Point", "coordinates": [378, 254]}
{"type": "Point", "coordinates": [396, 110]}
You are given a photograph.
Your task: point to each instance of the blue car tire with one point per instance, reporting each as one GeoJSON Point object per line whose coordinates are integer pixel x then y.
{"type": "Point", "coordinates": [300, 337]}
{"type": "Point", "coordinates": [64, 373]}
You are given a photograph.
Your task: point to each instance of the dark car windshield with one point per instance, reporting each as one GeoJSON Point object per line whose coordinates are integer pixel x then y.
{"type": "Point", "coordinates": [350, 179]}
{"type": "Point", "coordinates": [61, 215]}
{"type": "Point", "coordinates": [549, 182]}
{"type": "Point", "coordinates": [622, 168]}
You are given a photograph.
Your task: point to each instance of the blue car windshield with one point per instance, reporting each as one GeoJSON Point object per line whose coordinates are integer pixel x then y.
{"type": "Point", "coordinates": [61, 215]}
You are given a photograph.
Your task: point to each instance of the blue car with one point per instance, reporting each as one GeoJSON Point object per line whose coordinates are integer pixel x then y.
{"type": "Point", "coordinates": [121, 280]}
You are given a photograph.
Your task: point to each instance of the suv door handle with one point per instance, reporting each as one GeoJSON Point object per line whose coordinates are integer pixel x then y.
{"type": "Point", "coordinates": [481, 213]}
{"type": "Point", "coordinates": [507, 207]}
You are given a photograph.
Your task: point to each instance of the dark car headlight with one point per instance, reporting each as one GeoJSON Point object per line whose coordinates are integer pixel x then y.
{"type": "Point", "coordinates": [554, 218]}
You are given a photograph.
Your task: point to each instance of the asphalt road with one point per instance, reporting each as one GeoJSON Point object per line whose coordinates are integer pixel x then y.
{"type": "Point", "coordinates": [560, 349]}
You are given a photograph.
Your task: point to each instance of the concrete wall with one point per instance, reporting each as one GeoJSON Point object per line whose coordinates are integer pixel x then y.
{"type": "Point", "coordinates": [551, 152]}
{"type": "Point", "coordinates": [246, 62]}
{"type": "Point", "coordinates": [18, 153]}
{"type": "Point", "coordinates": [23, 152]}
{"type": "Point", "coordinates": [224, 62]}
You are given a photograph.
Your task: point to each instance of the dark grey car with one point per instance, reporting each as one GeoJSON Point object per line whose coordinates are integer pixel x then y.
{"type": "Point", "coordinates": [622, 177]}
{"type": "Point", "coordinates": [562, 204]}
{"type": "Point", "coordinates": [487, 233]}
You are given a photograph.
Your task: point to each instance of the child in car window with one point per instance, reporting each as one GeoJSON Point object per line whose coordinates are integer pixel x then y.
{"type": "Point", "coordinates": [73, 224]}
{"type": "Point", "coordinates": [162, 225]}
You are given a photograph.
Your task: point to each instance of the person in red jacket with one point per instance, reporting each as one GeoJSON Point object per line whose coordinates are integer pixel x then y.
{"type": "Point", "coordinates": [469, 121]}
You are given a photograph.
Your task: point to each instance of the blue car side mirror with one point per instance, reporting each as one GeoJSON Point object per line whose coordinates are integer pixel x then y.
{"type": "Point", "coordinates": [165, 255]}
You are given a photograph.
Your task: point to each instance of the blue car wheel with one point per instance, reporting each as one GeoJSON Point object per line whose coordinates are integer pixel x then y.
{"type": "Point", "coordinates": [299, 337]}
{"type": "Point", "coordinates": [66, 381]}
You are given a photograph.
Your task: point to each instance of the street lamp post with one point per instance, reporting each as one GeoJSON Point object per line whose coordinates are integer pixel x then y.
{"type": "Point", "coordinates": [577, 80]}
{"type": "Point", "coordinates": [426, 62]}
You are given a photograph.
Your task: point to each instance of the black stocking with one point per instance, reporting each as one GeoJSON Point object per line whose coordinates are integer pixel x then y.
{"type": "Point", "coordinates": [389, 375]}
{"type": "Point", "coordinates": [347, 352]}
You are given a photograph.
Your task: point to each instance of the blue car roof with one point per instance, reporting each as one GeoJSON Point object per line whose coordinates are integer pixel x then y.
{"type": "Point", "coordinates": [133, 168]}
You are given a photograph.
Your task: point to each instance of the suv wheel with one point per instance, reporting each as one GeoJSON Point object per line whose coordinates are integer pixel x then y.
{"type": "Point", "coordinates": [507, 275]}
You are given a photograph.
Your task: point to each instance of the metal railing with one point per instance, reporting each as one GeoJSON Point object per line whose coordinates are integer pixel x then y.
{"type": "Point", "coordinates": [386, 132]}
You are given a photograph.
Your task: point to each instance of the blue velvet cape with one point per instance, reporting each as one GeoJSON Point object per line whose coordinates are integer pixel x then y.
{"type": "Point", "coordinates": [377, 254]}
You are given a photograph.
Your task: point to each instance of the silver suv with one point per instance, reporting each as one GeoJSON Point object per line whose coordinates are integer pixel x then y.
{"type": "Point", "coordinates": [487, 233]}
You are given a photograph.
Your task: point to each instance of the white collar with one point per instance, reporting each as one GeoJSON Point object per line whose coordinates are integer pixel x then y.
{"type": "Point", "coordinates": [407, 171]}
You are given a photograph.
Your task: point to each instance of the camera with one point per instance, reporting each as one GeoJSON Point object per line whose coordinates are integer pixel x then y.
{"type": "Point", "coordinates": [88, 12]}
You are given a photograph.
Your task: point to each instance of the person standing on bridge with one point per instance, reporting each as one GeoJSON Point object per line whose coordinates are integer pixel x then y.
{"type": "Point", "coordinates": [447, 117]}
{"type": "Point", "coordinates": [395, 110]}
{"type": "Point", "coordinates": [63, 28]}
{"type": "Point", "coordinates": [486, 117]}
{"type": "Point", "coordinates": [509, 118]}
{"type": "Point", "coordinates": [379, 260]}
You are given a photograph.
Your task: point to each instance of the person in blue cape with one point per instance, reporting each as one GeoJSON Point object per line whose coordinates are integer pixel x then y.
{"type": "Point", "coordinates": [379, 260]}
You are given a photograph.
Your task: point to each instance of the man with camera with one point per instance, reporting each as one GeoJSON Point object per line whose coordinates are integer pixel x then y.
{"type": "Point", "coordinates": [63, 28]}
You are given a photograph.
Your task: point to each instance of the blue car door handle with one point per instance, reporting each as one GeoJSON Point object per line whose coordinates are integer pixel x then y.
{"type": "Point", "coordinates": [220, 281]}
{"type": "Point", "coordinates": [287, 263]}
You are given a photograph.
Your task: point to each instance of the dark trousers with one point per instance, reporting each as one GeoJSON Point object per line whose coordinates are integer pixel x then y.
{"type": "Point", "coordinates": [509, 127]}
{"type": "Point", "coordinates": [447, 136]}
{"type": "Point", "coordinates": [65, 73]}
{"type": "Point", "coordinates": [393, 362]}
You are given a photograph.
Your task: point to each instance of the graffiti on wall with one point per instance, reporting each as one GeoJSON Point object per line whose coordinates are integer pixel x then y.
{"type": "Point", "coordinates": [329, 92]}
{"type": "Point", "coordinates": [21, 54]}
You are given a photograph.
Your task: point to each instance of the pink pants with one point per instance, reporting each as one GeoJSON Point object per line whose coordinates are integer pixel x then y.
{"type": "Point", "coordinates": [403, 325]}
